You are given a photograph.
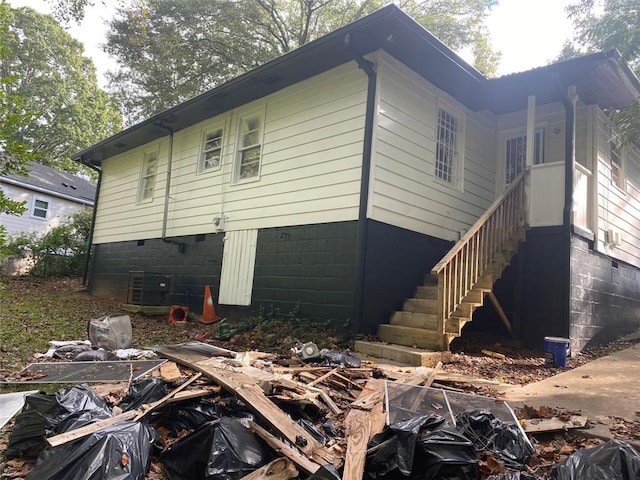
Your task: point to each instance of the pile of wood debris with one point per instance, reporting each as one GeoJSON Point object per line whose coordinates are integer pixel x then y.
{"type": "Point", "coordinates": [349, 400]}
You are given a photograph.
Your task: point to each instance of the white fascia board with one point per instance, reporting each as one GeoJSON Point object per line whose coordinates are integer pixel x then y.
{"type": "Point", "coordinates": [46, 191]}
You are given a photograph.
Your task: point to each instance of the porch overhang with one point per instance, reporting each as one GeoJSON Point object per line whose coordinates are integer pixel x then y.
{"type": "Point", "coordinates": [601, 79]}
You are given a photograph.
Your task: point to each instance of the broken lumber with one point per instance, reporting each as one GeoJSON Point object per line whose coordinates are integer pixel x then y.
{"type": "Point", "coordinates": [123, 417]}
{"type": "Point", "coordinates": [539, 425]}
{"type": "Point", "coordinates": [63, 438]}
{"type": "Point", "coordinates": [364, 420]}
{"type": "Point", "coordinates": [490, 353]}
{"type": "Point", "coordinates": [169, 372]}
{"type": "Point", "coordinates": [144, 409]}
{"type": "Point", "coordinates": [279, 446]}
{"type": "Point", "coordinates": [427, 383]}
{"type": "Point", "coordinates": [323, 377]}
{"type": "Point", "coordinates": [252, 395]}
{"type": "Point", "coordinates": [279, 469]}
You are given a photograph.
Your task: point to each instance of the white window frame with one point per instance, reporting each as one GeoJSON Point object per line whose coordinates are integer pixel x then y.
{"type": "Point", "coordinates": [456, 176]}
{"type": "Point", "coordinates": [256, 114]}
{"type": "Point", "coordinates": [38, 198]}
{"type": "Point", "coordinates": [617, 150]}
{"type": "Point", "coordinates": [202, 160]}
{"type": "Point", "coordinates": [147, 156]}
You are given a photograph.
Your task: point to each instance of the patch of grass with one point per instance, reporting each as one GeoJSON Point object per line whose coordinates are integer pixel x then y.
{"type": "Point", "coordinates": [35, 311]}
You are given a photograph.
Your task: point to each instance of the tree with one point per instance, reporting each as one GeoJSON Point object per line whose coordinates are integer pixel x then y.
{"type": "Point", "coordinates": [171, 50]}
{"type": "Point", "coordinates": [609, 24]}
{"type": "Point", "coordinates": [14, 154]}
{"type": "Point", "coordinates": [57, 84]}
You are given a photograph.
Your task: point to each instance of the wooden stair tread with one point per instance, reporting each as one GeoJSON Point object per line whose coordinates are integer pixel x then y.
{"type": "Point", "coordinates": [414, 320]}
{"type": "Point", "coordinates": [412, 337]}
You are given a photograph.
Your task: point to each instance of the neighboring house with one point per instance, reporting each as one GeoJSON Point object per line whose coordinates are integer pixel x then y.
{"type": "Point", "coordinates": [50, 196]}
{"type": "Point", "coordinates": [340, 175]}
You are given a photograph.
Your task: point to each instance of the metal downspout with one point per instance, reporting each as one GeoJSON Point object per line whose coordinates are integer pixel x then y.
{"type": "Point", "coordinates": [93, 218]}
{"type": "Point", "coordinates": [361, 265]}
{"type": "Point", "coordinates": [167, 189]}
{"type": "Point", "coordinates": [569, 167]}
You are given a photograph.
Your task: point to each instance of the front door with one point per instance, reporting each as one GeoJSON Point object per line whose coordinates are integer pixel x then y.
{"type": "Point", "coordinates": [516, 154]}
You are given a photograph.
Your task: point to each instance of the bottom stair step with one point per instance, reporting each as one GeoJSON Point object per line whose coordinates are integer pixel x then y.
{"type": "Point", "coordinates": [414, 357]}
{"type": "Point", "coordinates": [413, 337]}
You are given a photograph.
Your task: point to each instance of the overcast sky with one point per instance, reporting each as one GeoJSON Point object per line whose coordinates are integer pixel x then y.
{"type": "Point", "coordinates": [529, 33]}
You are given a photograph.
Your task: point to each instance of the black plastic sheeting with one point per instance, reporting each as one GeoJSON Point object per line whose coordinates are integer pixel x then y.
{"type": "Point", "coordinates": [614, 460]}
{"type": "Point", "coordinates": [421, 448]}
{"type": "Point", "coordinates": [506, 441]}
{"type": "Point", "coordinates": [119, 452]}
{"type": "Point", "coordinates": [45, 415]}
{"type": "Point", "coordinates": [193, 414]}
{"type": "Point", "coordinates": [340, 359]}
{"type": "Point", "coordinates": [221, 450]}
{"type": "Point", "coordinates": [515, 476]}
{"type": "Point", "coordinates": [146, 390]}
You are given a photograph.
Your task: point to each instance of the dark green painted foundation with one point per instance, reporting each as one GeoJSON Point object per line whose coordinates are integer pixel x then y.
{"type": "Point", "coordinates": [311, 268]}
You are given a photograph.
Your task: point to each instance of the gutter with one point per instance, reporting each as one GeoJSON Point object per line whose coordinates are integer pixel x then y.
{"type": "Point", "coordinates": [88, 164]}
{"type": "Point", "coordinates": [361, 261]}
{"type": "Point", "coordinates": [46, 191]}
{"type": "Point", "coordinates": [569, 167]}
{"type": "Point", "coordinates": [165, 211]}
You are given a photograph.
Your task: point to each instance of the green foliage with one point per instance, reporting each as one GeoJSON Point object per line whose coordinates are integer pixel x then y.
{"type": "Point", "coordinates": [612, 24]}
{"type": "Point", "coordinates": [58, 85]}
{"type": "Point", "coordinates": [172, 50]}
{"type": "Point", "coordinates": [14, 153]}
{"type": "Point", "coordinates": [59, 252]}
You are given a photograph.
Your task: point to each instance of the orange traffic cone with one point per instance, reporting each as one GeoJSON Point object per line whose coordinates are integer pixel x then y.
{"type": "Point", "coordinates": [208, 309]}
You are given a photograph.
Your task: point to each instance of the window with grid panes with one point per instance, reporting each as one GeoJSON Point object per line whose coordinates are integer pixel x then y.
{"type": "Point", "coordinates": [148, 176]}
{"type": "Point", "coordinates": [446, 146]}
{"type": "Point", "coordinates": [40, 208]}
{"type": "Point", "coordinates": [211, 149]}
{"type": "Point", "coordinates": [250, 147]}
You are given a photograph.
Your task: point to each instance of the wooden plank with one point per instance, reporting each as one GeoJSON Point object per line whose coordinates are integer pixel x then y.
{"type": "Point", "coordinates": [145, 409]}
{"type": "Point", "coordinates": [170, 372]}
{"type": "Point", "coordinates": [323, 377]}
{"type": "Point", "coordinates": [427, 383]}
{"type": "Point", "coordinates": [279, 469]}
{"type": "Point", "coordinates": [89, 429]}
{"type": "Point", "coordinates": [360, 426]}
{"type": "Point", "coordinates": [282, 448]}
{"type": "Point", "coordinates": [253, 396]}
{"type": "Point", "coordinates": [538, 425]}
{"type": "Point", "coordinates": [188, 395]}
{"type": "Point", "coordinates": [123, 417]}
{"type": "Point", "coordinates": [503, 316]}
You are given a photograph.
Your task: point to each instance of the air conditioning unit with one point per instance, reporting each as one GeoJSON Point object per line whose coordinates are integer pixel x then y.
{"type": "Point", "coordinates": [612, 237]}
{"type": "Point", "coordinates": [149, 288]}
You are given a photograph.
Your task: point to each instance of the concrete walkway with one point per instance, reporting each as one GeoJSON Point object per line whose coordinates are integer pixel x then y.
{"type": "Point", "coordinates": [608, 386]}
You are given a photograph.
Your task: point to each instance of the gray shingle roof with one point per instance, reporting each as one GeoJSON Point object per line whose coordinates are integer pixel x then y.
{"type": "Point", "coordinates": [55, 181]}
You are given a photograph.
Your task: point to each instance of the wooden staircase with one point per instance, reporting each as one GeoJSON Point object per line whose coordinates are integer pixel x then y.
{"type": "Point", "coordinates": [457, 285]}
